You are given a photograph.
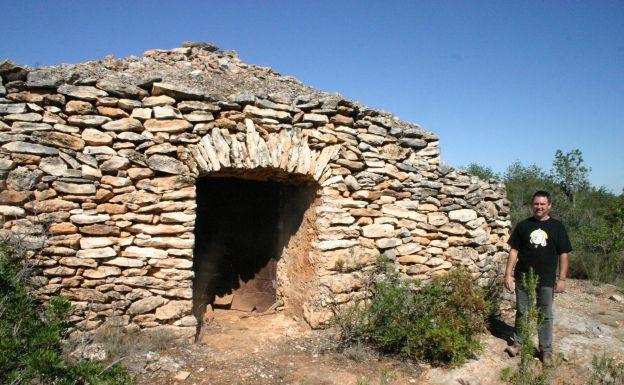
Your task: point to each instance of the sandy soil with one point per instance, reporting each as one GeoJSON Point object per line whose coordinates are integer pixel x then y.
{"type": "Point", "coordinates": [276, 349]}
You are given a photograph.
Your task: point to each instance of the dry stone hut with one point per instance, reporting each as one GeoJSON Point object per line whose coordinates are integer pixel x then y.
{"type": "Point", "coordinates": [152, 189]}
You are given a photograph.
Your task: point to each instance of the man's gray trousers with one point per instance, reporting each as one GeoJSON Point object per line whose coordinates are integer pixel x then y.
{"type": "Point", "coordinates": [545, 296]}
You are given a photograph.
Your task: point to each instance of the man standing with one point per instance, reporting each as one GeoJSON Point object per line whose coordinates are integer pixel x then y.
{"type": "Point", "coordinates": [538, 242]}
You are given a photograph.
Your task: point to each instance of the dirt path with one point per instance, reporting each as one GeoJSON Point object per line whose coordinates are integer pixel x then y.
{"type": "Point", "coordinates": [275, 349]}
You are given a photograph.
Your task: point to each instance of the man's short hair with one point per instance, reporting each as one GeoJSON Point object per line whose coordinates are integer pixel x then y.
{"type": "Point", "coordinates": [541, 193]}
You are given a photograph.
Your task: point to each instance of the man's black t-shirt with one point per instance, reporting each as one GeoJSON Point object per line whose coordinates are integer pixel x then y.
{"type": "Point", "coordinates": [539, 244]}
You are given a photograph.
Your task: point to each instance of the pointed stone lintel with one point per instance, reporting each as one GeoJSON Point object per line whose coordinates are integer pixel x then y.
{"type": "Point", "coordinates": [250, 125]}
{"type": "Point", "coordinates": [326, 175]}
{"type": "Point", "coordinates": [293, 156]}
{"type": "Point", "coordinates": [236, 152]}
{"type": "Point", "coordinates": [304, 158]}
{"type": "Point", "coordinates": [199, 159]}
{"type": "Point", "coordinates": [221, 146]}
{"type": "Point", "coordinates": [211, 153]}
{"type": "Point", "coordinates": [326, 155]}
{"type": "Point", "coordinates": [285, 144]}
{"type": "Point", "coordinates": [313, 159]}
{"type": "Point", "coordinates": [274, 149]}
{"type": "Point", "coordinates": [252, 149]}
{"type": "Point", "coordinates": [264, 157]}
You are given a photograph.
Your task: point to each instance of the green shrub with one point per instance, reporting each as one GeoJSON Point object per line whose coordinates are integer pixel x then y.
{"type": "Point", "coordinates": [31, 337]}
{"type": "Point", "coordinates": [605, 371]}
{"type": "Point", "coordinates": [437, 322]}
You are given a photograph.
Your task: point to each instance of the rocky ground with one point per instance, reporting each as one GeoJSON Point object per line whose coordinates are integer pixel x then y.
{"type": "Point", "coordinates": [276, 349]}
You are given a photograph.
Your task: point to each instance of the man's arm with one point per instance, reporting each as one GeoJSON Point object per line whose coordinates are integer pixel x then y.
{"type": "Point", "coordinates": [563, 272]}
{"type": "Point", "coordinates": [510, 282]}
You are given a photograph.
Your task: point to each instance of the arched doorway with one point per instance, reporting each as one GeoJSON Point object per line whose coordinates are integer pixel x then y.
{"type": "Point", "coordinates": [249, 233]}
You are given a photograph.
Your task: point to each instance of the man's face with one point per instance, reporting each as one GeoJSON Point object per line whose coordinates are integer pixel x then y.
{"type": "Point", "coordinates": [541, 207]}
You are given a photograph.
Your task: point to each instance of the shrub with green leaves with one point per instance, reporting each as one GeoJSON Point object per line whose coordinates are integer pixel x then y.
{"type": "Point", "coordinates": [31, 336]}
{"type": "Point", "coordinates": [436, 322]}
{"type": "Point", "coordinates": [606, 371]}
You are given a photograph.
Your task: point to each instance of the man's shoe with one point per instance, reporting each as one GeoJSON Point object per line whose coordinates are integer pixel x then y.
{"type": "Point", "coordinates": [548, 359]}
{"type": "Point", "coordinates": [513, 350]}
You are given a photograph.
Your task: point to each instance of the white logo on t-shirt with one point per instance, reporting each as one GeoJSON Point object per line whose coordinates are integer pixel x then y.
{"type": "Point", "coordinates": [539, 237]}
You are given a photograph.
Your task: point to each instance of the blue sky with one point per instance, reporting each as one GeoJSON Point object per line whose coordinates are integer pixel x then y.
{"type": "Point", "coordinates": [498, 81]}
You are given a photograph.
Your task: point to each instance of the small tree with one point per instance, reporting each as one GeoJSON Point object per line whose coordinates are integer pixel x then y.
{"type": "Point", "coordinates": [570, 173]}
{"type": "Point", "coordinates": [483, 172]}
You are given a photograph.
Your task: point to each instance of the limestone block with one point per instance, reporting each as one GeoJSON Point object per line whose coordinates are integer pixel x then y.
{"type": "Point", "coordinates": [175, 263]}
{"type": "Point", "coordinates": [86, 295]}
{"type": "Point", "coordinates": [87, 93]}
{"type": "Point", "coordinates": [437, 219]}
{"type": "Point", "coordinates": [164, 184]}
{"type": "Point", "coordinates": [50, 206]}
{"type": "Point", "coordinates": [316, 118]}
{"type": "Point", "coordinates": [462, 215]}
{"type": "Point", "coordinates": [100, 230]}
{"type": "Point", "coordinates": [74, 188]}
{"type": "Point", "coordinates": [141, 113]}
{"type": "Point", "coordinates": [378, 231]}
{"type": "Point", "coordinates": [334, 244]}
{"type": "Point", "coordinates": [95, 242]}
{"type": "Point", "coordinates": [186, 293]}
{"type": "Point", "coordinates": [176, 217]}
{"type": "Point", "coordinates": [266, 113]}
{"type": "Point", "coordinates": [408, 248]}
{"type": "Point", "coordinates": [79, 107]}
{"type": "Point", "coordinates": [166, 112]}
{"type": "Point", "coordinates": [88, 120]}
{"type": "Point", "coordinates": [453, 229]}
{"type": "Point", "coordinates": [116, 181]}
{"type": "Point", "coordinates": [29, 148]}
{"type": "Point", "coordinates": [102, 272]}
{"type": "Point", "coordinates": [11, 211]}
{"type": "Point", "coordinates": [342, 283]}
{"type": "Point", "coordinates": [144, 252]}
{"type": "Point", "coordinates": [125, 262]}
{"type": "Point", "coordinates": [86, 219]}
{"type": "Point", "coordinates": [120, 88]}
{"type": "Point", "coordinates": [12, 108]}
{"type": "Point", "coordinates": [401, 212]}
{"type": "Point", "coordinates": [187, 193]}
{"type": "Point", "coordinates": [166, 164]}
{"type": "Point", "coordinates": [409, 259]}
{"type": "Point", "coordinates": [165, 242]}
{"type": "Point", "coordinates": [436, 261]}
{"type": "Point", "coordinates": [104, 252]}
{"type": "Point", "coordinates": [146, 305]}
{"type": "Point", "coordinates": [387, 243]}
{"type": "Point", "coordinates": [96, 150]}
{"type": "Point", "coordinates": [174, 274]}
{"type": "Point", "coordinates": [59, 271]}
{"type": "Point", "coordinates": [78, 262]}
{"type": "Point", "coordinates": [93, 137]}
{"type": "Point", "coordinates": [174, 310]}
{"type": "Point", "coordinates": [115, 163]}
{"type": "Point", "coordinates": [62, 228]}
{"type": "Point", "coordinates": [111, 112]}
{"type": "Point", "coordinates": [160, 100]}
{"type": "Point", "coordinates": [171, 126]}
{"type": "Point", "coordinates": [176, 91]}
{"type": "Point", "coordinates": [136, 173]}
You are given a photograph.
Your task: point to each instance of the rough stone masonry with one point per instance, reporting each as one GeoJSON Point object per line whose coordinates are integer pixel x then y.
{"type": "Point", "coordinates": [99, 163]}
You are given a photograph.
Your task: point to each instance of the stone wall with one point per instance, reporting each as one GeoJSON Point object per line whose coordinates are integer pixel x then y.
{"type": "Point", "coordinates": [98, 174]}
